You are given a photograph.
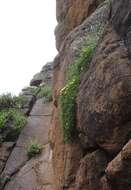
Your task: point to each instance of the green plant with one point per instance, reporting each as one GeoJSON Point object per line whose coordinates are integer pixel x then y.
{"type": "Point", "coordinates": [33, 149]}
{"type": "Point", "coordinates": [20, 101]}
{"type": "Point", "coordinates": [82, 61]}
{"type": "Point", "coordinates": [6, 100]}
{"type": "Point", "coordinates": [32, 90]}
{"type": "Point", "coordinates": [69, 92]}
{"type": "Point", "coordinates": [45, 91]}
{"type": "Point", "coordinates": [18, 121]}
{"type": "Point", "coordinates": [10, 101]}
{"type": "Point", "coordinates": [4, 118]}
{"type": "Point", "coordinates": [67, 102]}
{"type": "Point", "coordinates": [15, 117]}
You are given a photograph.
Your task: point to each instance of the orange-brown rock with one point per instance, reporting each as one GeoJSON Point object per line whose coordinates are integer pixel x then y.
{"type": "Point", "coordinates": [91, 170]}
{"type": "Point", "coordinates": [66, 157]}
{"type": "Point", "coordinates": [104, 101]}
{"type": "Point", "coordinates": [70, 14]}
{"type": "Point", "coordinates": [118, 171]}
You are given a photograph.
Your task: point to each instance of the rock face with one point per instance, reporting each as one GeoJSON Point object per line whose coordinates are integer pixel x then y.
{"type": "Point", "coordinates": [98, 156]}
{"type": "Point", "coordinates": [106, 106]}
{"type": "Point", "coordinates": [91, 169]}
{"type": "Point", "coordinates": [96, 159]}
{"type": "Point", "coordinates": [71, 14]}
{"type": "Point", "coordinates": [118, 170]}
{"type": "Point", "coordinates": [44, 76]}
{"type": "Point", "coordinates": [121, 18]}
{"type": "Point", "coordinates": [36, 173]}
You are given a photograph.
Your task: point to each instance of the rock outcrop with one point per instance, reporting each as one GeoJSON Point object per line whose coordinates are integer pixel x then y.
{"type": "Point", "coordinates": [98, 157]}
{"type": "Point", "coordinates": [93, 71]}
{"type": "Point", "coordinates": [70, 14]}
{"type": "Point", "coordinates": [17, 169]}
{"type": "Point", "coordinates": [44, 76]}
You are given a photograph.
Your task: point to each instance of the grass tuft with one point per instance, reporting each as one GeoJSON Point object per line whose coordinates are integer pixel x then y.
{"type": "Point", "coordinates": [33, 149]}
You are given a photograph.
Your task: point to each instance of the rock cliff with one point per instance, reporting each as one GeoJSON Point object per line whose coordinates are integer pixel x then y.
{"type": "Point", "coordinates": [83, 132]}
{"type": "Point", "coordinates": [91, 129]}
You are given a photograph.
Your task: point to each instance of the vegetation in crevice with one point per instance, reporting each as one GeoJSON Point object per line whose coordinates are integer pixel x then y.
{"type": "Point", "coordinates": [33, 149]}
{"type": "Point", "coordinates": [11, 117]}
{"type": "Point", "coordinates": [69, 92]}
{"type": "Point", "coordinates": [67, 104]}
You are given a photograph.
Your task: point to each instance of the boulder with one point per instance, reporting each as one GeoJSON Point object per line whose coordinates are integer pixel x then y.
{"type": "Point", "coordinates": [118, 171]}
{"type": "Point", "coordinates": [104, 101]}
{"type": "Point", "coordinates": [91, 170]}
{"type": "Point", "coordinates": [44, 76]}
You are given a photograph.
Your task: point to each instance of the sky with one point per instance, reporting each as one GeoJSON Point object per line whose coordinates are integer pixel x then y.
{"type": "Point", "coordinates": [26, 41]}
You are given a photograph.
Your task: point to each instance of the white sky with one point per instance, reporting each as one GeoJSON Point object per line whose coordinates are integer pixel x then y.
{"type": "Point", "coordinates": [26, 41]}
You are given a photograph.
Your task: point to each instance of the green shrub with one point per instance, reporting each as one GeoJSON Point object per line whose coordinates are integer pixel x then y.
{"type": "Point", "coordinates": [6, 100]}
{"type": "Point", "coordinates": [20, 101]}
{"type": "Point", "coordinates": [45, 91]}
{"type": "Point", "coordinates": [4, 118]}
{"type": "Point", "coordinates": [10, 101]}
{"type": "Point", "coordinates": [67, 102]}
{"type": "Point", "coordinates": [82, 61]}
{"type": "Point", "coordinates": [34, 149]}
{"type": "Point", "coordinates": [15, 117]}
{"type": "Point", "coordinates": [69, 92]}
{"type": "Point", "coordinates": [18, 121]}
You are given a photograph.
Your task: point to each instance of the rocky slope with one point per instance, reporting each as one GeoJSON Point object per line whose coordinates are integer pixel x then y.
{"type": "Point", "coordinates": [17, 169]}
{"type": "Point", "coordinates": [98, 155]}
{"type": "Point", "coordinates": [88, 121]}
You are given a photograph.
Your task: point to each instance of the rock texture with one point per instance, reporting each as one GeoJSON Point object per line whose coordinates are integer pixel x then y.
{"type": "Point", "coordinates": [44, 76]}
{"type": "Point", "coordinates": [118, 170]}
{"type": "Point", "coordinates": [96, 159]}
{"type": "Point", "coordinates": [36, 173]}
{"type": "Point", "coordinates": [70, 14]}
{"type": "Point", "coordinates": [106, 106]}
{"type": "Point", "coordinates": [99, 155]}
{"type": "Point", "coordinates": [92, 167]}
{"type": "Point", "coordinates": [17, 170]}
{"type": "Point", "coordinates": [66, 157]}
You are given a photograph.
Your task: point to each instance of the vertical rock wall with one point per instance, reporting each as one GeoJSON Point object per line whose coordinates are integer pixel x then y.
{"type": "Point", "coordinates": [98, 158]}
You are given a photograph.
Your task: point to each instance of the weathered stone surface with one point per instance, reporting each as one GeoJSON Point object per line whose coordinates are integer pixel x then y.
{"type": "Point", "coordinates": [44, 76]}
{"type": "Point", "coordinates": [37, 79]}
{"type": "Point", "coordinates": [35, 174]}
{"type": "Point", "coordinates": [121, 20]}
{"type": "Point", "coordinates": [67, 55]}
{"type": "Point", "coordinates": [70, 14]}
{"type": "Point", "coordinates": [104, 101]}
{"type": "Point", "coordinates": [19, 170]}
{"type": "Point", "coordinates": [91, 170]}
{"type": "Point", "coordinates": [30, 101]}
{"type": "Point", "coordinates": [118, 171]}
{"type": "Point", "coordinates": [5, 150]}
{"type": "Point", "coordinates": [65, 158]}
